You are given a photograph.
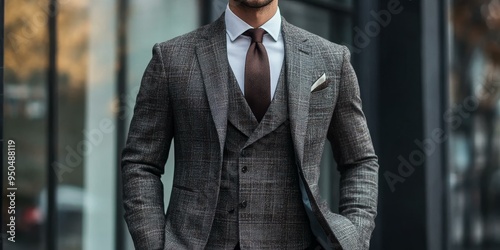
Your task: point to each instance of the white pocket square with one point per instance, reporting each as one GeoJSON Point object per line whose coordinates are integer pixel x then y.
{"type": "Point", "coordinates": [318, 82]}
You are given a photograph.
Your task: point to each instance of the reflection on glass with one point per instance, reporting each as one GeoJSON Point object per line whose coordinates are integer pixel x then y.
{"type": "Point", "coordinates": [25, 116]}
{"type": "Point", "coordinates": [474, 120]}
{"type": "Point", "coordinates": [330, 24]}
{"type": "Point", "coordinates": [72, 68]}
{"type": "Point", "coordinates": [313, 19]}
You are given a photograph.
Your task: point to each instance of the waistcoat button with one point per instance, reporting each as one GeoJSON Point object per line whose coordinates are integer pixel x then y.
{"type": "Point", "coordinates": [243, 204]}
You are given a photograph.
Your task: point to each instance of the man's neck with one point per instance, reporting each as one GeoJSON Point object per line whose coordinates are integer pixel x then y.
{"type": "Point", "coordinates": [255, 17]}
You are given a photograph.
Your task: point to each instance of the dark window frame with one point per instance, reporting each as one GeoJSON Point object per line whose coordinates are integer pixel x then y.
{"type": "Point", "coordinates": [51, 225]}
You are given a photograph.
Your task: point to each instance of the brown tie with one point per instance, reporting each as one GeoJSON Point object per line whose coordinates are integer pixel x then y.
{"type": "Point", "coordinates": [257, 75]}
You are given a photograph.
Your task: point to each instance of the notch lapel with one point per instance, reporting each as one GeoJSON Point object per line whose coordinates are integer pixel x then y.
{"type": "Point", "coordinates": [299, 77]}
{"type": "Point", "coordinates": [212, 58]}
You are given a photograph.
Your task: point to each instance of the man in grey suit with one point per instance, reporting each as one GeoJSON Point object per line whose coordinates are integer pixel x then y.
{"type": "Point", "coordinates": [250, 101]}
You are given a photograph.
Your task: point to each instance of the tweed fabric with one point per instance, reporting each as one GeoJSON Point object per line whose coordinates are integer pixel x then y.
{"type": "Point", "coordinates": [184, 94]}
{"type": "Point", "coordinates": [265, 180]}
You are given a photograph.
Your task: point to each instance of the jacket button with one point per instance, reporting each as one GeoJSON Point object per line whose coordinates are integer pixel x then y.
{"type": "Point", "coordinates": [243, 204]}
{"type": "Point", "coordinates": [244, 169]}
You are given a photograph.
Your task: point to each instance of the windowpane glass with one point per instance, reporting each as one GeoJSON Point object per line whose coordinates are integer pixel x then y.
{"type": "Point", "coordinates": [343, 3]}
{"type": "Point", "coordinates": [72, 68]}
{"type": "Point", "coordinates": [25, 118]}
{"type": "Point", "coordinates": [86, 164]}
{"type": "Point", "coordinates": [474, 120]}
{"type": "Point", "coordinates": [308, 17]}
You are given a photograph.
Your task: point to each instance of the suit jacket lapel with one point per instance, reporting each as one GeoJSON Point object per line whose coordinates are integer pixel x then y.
{"type": "Point", "coordinates": [212, 57]}
{"type": "Point", "coordinates": [299, 78]}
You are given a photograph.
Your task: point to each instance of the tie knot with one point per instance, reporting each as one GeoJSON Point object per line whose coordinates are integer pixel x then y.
{"type": "Point", "coordinates": [255, 34]}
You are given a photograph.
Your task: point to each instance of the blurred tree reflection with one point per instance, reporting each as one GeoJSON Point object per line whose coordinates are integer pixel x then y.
{"type": "Point", "coordinates": [26, 62]}
{"type": "Point", "coordinates": [26, 40]}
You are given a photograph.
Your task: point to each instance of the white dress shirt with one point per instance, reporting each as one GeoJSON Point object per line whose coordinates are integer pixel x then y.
{"type": "Point", "coordinates": [238, 44]}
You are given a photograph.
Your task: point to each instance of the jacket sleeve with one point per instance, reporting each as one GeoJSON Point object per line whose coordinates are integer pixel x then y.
{"type": "Point", "coordinates": [353, 151]}
{"type": "Point", "coordinates": [144, 158]}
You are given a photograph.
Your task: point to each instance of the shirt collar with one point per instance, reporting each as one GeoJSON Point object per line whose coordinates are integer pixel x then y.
{"type": "Point", "coordinates": [235, 26]}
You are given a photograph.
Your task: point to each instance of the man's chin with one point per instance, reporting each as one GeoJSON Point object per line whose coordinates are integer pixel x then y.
{"type": "Point", "coordinates": [254, 4]}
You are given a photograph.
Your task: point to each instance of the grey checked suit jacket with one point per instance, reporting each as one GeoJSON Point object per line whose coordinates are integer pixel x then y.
{"type": "Point", "coordinates": [183, 96]}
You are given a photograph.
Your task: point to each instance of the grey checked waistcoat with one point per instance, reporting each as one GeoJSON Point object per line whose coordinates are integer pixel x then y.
{"type": "Point", "coordinates": [259, 203]}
